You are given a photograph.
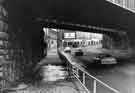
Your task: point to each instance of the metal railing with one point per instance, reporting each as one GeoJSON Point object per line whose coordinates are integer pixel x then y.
{"type": "Point", "coordinates": [82, 76]}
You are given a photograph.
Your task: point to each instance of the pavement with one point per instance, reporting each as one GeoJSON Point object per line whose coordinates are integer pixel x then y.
{"type": "Point", "coordinates": [55, 78]}
{"type": "Point", "coordinates": [51, 58]}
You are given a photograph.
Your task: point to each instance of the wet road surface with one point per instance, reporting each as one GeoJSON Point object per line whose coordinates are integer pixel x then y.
{"type": "Point", "coordinates": [120, 76]}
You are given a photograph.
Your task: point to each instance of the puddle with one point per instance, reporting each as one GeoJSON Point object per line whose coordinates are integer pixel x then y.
{"type": "Point", "coordinates": [53, 73]}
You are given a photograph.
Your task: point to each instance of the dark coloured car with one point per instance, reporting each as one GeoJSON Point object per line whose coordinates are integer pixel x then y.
{"type": "Point", "coordinates": [77, 52]}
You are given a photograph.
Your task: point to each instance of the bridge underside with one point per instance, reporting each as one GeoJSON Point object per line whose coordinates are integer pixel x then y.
{"type": "Point", "coordinates": [99, 13]}
{"type": "Point", "coordinates": [89, 12]}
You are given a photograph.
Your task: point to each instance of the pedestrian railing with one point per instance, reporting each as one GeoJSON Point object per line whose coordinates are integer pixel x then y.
{"type": "Point", "coordinates": [89, 82]}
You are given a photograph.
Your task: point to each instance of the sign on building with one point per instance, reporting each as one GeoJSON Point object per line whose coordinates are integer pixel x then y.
{"type": "Point", "coordinates": [69, 35]}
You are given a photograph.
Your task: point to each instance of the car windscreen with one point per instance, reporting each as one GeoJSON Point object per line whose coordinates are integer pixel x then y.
{"type": "Point", "coordinates": [104, 55]}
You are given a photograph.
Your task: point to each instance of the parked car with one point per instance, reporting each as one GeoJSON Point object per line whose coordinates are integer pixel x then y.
{"type": "Point", "coordinates": [105, 59]}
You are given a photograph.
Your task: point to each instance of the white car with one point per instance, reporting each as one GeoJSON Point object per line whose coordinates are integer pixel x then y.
{"type": "Point", "coordinates": [105, 59]}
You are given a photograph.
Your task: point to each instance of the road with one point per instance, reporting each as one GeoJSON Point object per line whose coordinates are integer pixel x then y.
{"type": "Point", "coordinates": [120, 76]}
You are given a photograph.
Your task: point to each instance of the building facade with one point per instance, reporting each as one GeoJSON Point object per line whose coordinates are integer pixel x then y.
{"type": "Point", "coordinates": [127, 4]}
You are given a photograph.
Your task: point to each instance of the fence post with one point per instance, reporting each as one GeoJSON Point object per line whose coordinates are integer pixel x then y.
{"type": "Point", "coordinates": [83, 78]}
{"type": "Point", "coordinates": [95, 86]}
{"type": "Point", "coordinates": [77, 72]}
